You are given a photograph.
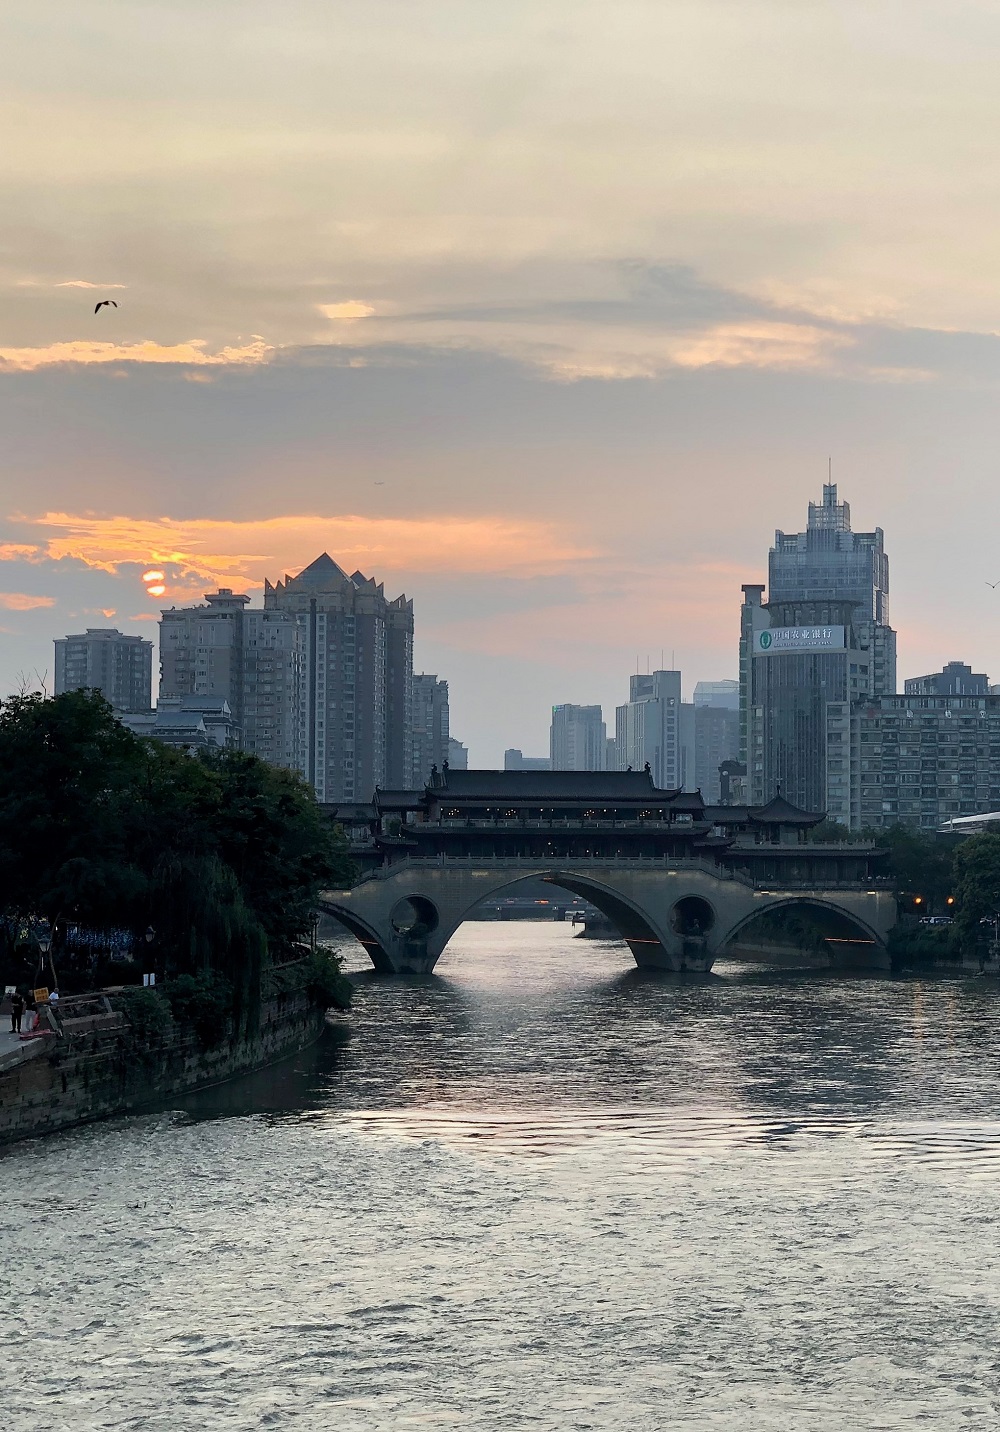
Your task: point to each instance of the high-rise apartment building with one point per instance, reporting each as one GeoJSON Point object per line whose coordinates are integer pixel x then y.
{"type": "Point", "coordinates": [249, 658]}
{"type": "Point", "coordinates": [648, 728]}
{"type": "Point", "coordinates": [955, 679]}
{"type": "Point", "coordinates": [104, 659]}
{"type": "Point", "coordinates": [357, 652]}
{"type": "Point", "coordinates": [577, 738]}
{"type": "Point", "coordinates": [822, 636]}
{"type": "Point", "coordinates": [430, 733]}
{"type": "Point", "coordinates": [912, 760]}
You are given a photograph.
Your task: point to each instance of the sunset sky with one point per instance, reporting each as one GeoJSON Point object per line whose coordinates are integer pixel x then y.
{"type": "Point", "coordinates": [547, 314]}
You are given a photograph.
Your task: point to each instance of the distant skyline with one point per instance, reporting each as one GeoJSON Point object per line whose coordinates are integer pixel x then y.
{"type": "Point", "coordinates": [546, 315]}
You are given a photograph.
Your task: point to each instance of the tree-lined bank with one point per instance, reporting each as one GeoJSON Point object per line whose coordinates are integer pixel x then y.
{"type": "Point", "coordinates": [126, 855]}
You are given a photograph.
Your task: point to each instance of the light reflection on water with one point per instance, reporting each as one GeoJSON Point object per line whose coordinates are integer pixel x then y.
{"type": "Point", "coordinates": [540, 1189]}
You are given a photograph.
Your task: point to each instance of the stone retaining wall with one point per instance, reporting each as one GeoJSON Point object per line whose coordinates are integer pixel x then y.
{"type": "Point", "coordinates": [96, 1070]}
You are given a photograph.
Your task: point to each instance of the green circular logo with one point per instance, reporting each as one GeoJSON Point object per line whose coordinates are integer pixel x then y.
{"type": "Point", "coordinates": [765, 640]}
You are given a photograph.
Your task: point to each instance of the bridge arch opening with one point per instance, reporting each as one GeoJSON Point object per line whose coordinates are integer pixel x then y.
{"type": "Point", "coordinates": [692, 916]}
{"type": "Point", "coordinates": [816, 932]}
{"type": "Point", "coordinates": [624, 917]}
{"type": "Point", "coordinates": [365, 935]}
{"type": "Point", "coordinates": [414, 915]}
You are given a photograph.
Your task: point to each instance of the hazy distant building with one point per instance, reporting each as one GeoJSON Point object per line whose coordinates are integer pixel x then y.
{"type": "Point", "coordinates": [458, 755]}
{"type": "Point", "coordinates": [104, 659]}
{"type": "Point", "coordinates": [955, 679]}
{"type": "Point", "coordinates": [732, 783]}
{"type": "Point", "coordinates": [912, 760]}
{"type": "Point", "coordinates": [686, 746]}
{"type": "Point", "coordinates": [357, 652]}
{"type": "Point", "coordinates": [725, 694]}
{"type": "Point", "coordinates": [709, 735]}
{"type": "Point", "coordinates": [822, 636]}
{"type": "Point", "coordinates": [250, 659]}
{"type": "Point", "coordinates": [716, 742]}
{"type": "Point", "coordinates": [515, 760]}
{"type": "Point", "coordinates": [429, 730]}
{"type": "Point", "coordinates": [577, 738]}
{"type": "Point", "coordinates": [648, 728]}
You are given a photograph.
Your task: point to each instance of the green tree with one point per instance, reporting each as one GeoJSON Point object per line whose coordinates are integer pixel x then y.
{"type": "Point", "coordinates": [68, 770]}
{"type": "Point", "coordinates": [977, 883]}
{"type": "Point", "coordinates": [919, 866]}
{"type": "Point", "coordinates": [222, 855]}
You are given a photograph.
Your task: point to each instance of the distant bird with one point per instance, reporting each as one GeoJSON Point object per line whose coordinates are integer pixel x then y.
{"type": "Point", "coordinates": [994, 585]}
{"type": "Point", "coordinates": [104, 304]}
{"type": "Point", "coordinates": [380, 484]}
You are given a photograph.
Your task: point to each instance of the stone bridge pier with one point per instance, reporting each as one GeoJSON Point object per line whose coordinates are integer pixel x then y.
{"type": "Point", "coordinates": [673, 915]}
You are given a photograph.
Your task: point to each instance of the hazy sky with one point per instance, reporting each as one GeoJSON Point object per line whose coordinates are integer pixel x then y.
{"type": "Point", "coordinates": [547, 314]}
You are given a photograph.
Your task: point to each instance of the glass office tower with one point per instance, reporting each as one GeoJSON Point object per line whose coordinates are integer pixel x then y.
{"type": "Point", "coordinates": [825, 636]}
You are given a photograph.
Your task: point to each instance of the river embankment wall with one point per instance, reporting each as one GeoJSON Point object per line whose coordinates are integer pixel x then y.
{"type": "Point", "coordinates": [102, 1066]}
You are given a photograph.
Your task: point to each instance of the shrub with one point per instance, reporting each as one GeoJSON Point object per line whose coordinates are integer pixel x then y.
{"type": "Point", "coordinates": [203, 1003]}
{"type": "Point", "coordinates": [148, 1018]}
{"type": "Point", "coordinates": [328, 985]}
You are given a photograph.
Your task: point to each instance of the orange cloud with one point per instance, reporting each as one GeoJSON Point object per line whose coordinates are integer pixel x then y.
{"type": "Point", "coordinates": [23, 602]}
{"type": "Point", "coordinates": [353, 308]}
{"type": "Point", "coordinates": [83, 283]}
{"type": "Point", "coordinates": [19, 552]}
{"type": "Point", "coordinates": [231, 552]}
{"type": "Point", "coordinates": [192, 353]}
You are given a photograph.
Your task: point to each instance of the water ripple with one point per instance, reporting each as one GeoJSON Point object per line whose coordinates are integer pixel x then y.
{"type": "Point", "coordinates": [540, 1191]}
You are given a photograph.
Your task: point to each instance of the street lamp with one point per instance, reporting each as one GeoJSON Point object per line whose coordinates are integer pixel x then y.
{"type": "Point", "coordinates": [43, 939]}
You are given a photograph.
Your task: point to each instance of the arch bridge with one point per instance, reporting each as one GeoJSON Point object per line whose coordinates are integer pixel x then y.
{"type": "Point", "coordinates": [680, 880]}
{"type": "Point", "coordinates": [673, 915]}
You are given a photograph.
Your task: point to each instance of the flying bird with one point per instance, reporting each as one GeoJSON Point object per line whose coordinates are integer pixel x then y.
{"type": "Point", "coordinates": [994, 585]}
{"type": "Point", "coordinates": [104, 304]}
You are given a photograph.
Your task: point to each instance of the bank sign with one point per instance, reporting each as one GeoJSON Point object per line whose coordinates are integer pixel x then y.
{"type": "Point", "coordinates": [777, 641]}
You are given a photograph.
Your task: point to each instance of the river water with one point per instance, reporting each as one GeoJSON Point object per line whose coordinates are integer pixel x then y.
{"type": "Point", "coordinates": [540, 1190]}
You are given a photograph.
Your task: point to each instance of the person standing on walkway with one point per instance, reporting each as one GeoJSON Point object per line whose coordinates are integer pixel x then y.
{"type": "Point", "coordinates": [16, 1011]}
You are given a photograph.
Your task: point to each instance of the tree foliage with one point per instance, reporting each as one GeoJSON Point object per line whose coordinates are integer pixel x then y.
{"type": "Point", "coordinates": [977, 883]}
{"type": "Point", "coordinates": [918, 865]}
{"type": "Point", "coordinates": [222, 854]}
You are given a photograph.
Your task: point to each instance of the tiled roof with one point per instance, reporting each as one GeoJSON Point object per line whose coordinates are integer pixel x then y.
{"type": "Point", "coordinates": [781, 812]}
{"type": "Point", "coordinates": [548, 785]}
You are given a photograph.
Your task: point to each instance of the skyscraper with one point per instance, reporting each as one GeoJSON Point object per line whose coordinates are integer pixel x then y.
{"type": "Point", "coordinates": [430, 728]}
{"type": "Point", "coordinates": [104, 659]}
{"type": "Point", "coordinates": [577, 738]}
{"type": "Point", "coordinates": [822, 636]}
{"type": "Point", "coordinates": [358, 679]}
{"type": "Point", "coordinates": [648, 728]}
{"type": "Point", "coordinates": [250, 659]}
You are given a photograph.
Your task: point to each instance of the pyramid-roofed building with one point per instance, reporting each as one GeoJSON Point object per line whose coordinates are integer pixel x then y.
{"type": "Point", "coordinates": [358, 677]}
